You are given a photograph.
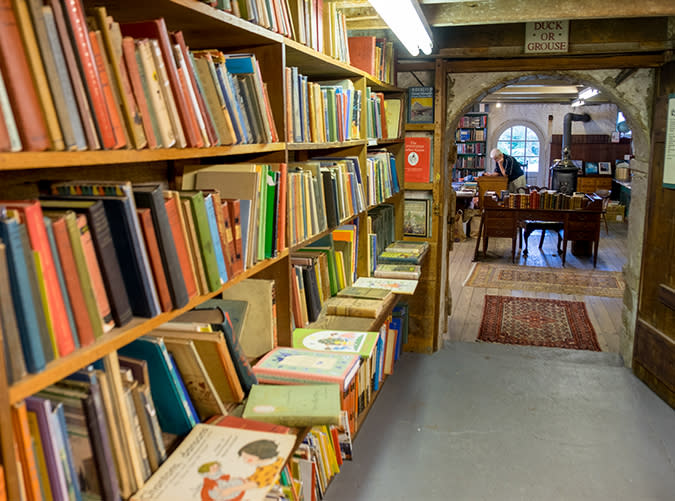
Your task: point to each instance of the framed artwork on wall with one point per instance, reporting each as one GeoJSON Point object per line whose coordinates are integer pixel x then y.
{"type": "Point", "coordinates": [590, 168]}
{"type": "Point", "coordinates": [605, 168]}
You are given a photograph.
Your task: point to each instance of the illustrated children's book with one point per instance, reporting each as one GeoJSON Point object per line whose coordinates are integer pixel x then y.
{"type": "Point", "coordinates": [399, 286]}
{"type": "Point", "coordinates": [362, 343]}
{"type": "Point", "coordinates": [215, 462]}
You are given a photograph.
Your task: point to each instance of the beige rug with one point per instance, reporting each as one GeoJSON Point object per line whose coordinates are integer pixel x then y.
{"type": "Point", "coordinates": [539, 279]}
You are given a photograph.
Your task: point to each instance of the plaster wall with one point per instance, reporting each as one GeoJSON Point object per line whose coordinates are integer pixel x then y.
{"type": "Point", "coordinates": [634, 97]}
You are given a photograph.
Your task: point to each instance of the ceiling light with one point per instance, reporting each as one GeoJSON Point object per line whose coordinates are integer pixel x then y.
{"type": "Point", "coordinates": [588, 92]}
{"type": "Point", "coordinates": [577, 102]}
{"type": "Point", "coordinates": [406, 20]}
{"type": "Point", "coordinates": [498, 105]}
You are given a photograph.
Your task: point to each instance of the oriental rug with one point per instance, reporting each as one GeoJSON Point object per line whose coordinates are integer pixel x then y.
{"type": "Point", "coordinates": [540, 279]}
{"type": "Point", "coordinates": [537, 322]}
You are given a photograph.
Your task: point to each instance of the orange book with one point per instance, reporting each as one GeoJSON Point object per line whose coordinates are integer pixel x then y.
{"type": "Point", "coordinates": [85, 331]}
{"type": "Point", "coordinates": [31, 215]}
{"type": "Point", "coordinates": [94, 269]}
{"type": "Point", "coordinates": [24, 447]}
{"type": "Point", "coordinates": [175, 221]}
{"type": "Point", "coordinates": [131, 65]}
{"type": "Point", "coordinates": [417, 159]}
{"type": "Point", "coordinates": [106, 87]}
{"type": "Point", "coordinates": [74, 14]}
{"type": "Point", "coordinates": [16, 74]}
{"type": "Point", "coordinates": [145, 218]}
{"type": "Point", "coordinates": [362, 53]}
{"type": "Point", "coordinates": [3, 493]}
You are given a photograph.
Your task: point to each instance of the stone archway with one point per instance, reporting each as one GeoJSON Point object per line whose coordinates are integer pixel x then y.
{"type": "Point", "coordinates": [634, 97]}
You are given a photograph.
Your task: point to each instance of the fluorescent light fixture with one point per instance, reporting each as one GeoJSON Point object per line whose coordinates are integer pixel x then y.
{"type": "Point", "coordinates": [588, 92]}
{"type": "Point", "coordinates": [577, 102]}
{"type": "Point", "coordinates": [499, 105]}
{"type": "Point", "coordinates": [406, 20]}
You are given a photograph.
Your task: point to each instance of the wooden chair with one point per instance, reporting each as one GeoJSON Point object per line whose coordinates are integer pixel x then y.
{"type": "Point", "coordinates": [528, 226]}
{"type": "Point", "coordinates": [604, 194]}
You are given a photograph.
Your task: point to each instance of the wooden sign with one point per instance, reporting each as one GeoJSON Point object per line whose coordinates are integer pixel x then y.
{"type": "Point", "coordinates": [543, 37]}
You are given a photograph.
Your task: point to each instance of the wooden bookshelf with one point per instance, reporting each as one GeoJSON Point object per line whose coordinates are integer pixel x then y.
{"type": "Point", "coordinates": [203, 27]}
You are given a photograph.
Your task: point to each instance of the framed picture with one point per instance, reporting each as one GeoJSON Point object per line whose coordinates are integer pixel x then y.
{"type": "Point", "coordinates": [417, 217]}
{"type": "Point", "coordinates": [590, 168]}
{"type": "Point", "coordinates": [421, 105]}
{"type": "Point", "coordinates": [605, 168]}
{"type": "Point", "coordinates": [579, 164]}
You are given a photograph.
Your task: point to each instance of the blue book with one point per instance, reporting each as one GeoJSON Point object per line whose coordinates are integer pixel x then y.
{"type": "Point", "coordinates": [215, 237]}
{"type": "Point", "coordinates": [63, 443]}
{"type": "Point", "coordinates": [244, 221]}
{"type": "Point", "coordinates": [397, 324]}
{"type": "Point", "coordinates": [394, 173]}
{"type": "Point", "coordinates": [183, 390]}
{"type": "Point", "coordinates": [233, 104]}
{"type": "Point", "coordinates": [23, 298]}
{"type": "Point", "coordinates": [62, 281]}
{"type": "Point", "coordinates": [173, 410]}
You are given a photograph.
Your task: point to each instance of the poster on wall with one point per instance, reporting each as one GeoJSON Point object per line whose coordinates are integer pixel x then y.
{"type": "Point", "coordinates": [669, 157]}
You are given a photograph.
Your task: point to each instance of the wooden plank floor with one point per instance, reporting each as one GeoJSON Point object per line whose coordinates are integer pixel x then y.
{"type": "Point", "coordinates": [467, 302]}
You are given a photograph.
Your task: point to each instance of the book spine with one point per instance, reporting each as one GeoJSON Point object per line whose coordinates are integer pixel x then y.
{"type": "Point", "coordinates": [228, 240]}
{"type": "Point", "coordinates": [206, 246]}
{"type": "Point", "coordinates": [24, 444]}
{"type": "Point", "coordinates": [175, 221]}
{"type": "Point", "coordinates": [130, 65]}
{"type": "Point", "coordinates": [162, 286]}
{"type": "Point", "coordinates": [14, 359]}
{"type": "Point", "coordinates": [16, 73]}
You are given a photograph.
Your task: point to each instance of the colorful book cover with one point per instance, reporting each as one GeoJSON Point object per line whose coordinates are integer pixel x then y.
{"type": "Point", "coordinates": [399, 286]}
{"type": "Point", "coordinates": [417, 159]}
{"type": "Point", "coordinates": [421, 105]}
{"type": "Point", "coordinates": [363, 293]}
{"type": "Point", "coordinates": [406, 271]}
{"type": "Point", "coordinates": [294, 405]}
{"type": "Point", "coordinates": [285, 365]}
{"type": "Point", "coordinates": [236, 463]}
{"type": "Point", "coordinates": [362, 343]}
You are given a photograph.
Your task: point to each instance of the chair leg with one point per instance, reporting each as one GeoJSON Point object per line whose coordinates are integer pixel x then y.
{"type": "Point", "coordinates": [541, 240]}
{"type": "Point", "coordinates": [604, 217]}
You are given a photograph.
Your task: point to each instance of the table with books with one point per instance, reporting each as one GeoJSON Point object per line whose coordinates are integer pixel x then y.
{"type": "Point", "coordinates": [498, 219]}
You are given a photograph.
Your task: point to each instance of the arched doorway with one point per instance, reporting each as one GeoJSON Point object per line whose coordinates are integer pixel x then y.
{"type": "Point", "coordinates": [633, 96]}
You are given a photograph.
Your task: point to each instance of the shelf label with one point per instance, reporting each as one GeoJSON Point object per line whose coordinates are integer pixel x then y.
{"type": "Point", "coordinates": [543, 37]}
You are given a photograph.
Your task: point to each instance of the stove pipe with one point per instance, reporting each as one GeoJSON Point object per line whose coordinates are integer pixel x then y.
{"type": "Point", "coordinates": [567, 128]}
{"type": "Point", "coordinates": [564, 172]}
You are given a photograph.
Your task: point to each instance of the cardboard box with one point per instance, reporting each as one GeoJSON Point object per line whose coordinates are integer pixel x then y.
{"type": "Point", "coordinates": [615, 213]}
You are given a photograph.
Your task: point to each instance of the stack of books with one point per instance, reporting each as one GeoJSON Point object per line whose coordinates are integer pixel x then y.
{"type": "Point", "coordinates": [403, 252]}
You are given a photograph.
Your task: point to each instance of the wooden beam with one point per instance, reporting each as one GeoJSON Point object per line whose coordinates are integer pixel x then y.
{"type": "Point", "coordinates": [510, 11]}
{"type": "Point", "coordinates": [557, 63]}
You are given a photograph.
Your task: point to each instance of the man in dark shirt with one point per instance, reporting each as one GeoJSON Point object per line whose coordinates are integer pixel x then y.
{"type": "Point", "coordinates": [509, 167]}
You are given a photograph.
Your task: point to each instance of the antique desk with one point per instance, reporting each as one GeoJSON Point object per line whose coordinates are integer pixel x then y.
{"type": "Point", "coordinates": [578, 224]}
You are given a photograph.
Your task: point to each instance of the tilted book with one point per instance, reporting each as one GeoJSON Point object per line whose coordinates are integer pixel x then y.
{"type": "Point", "coordinates": [294, 405]}
{"type": "Point", "coordinates": [357, 307]}
{"type": "Point", "coordinates": [237, 463]}
{"type": "Point", "coordinates": [285, 365]}
{"type": "Point", "coordinates": [398, 286]}
{"type": "Point", "coordinates": [363, 343]}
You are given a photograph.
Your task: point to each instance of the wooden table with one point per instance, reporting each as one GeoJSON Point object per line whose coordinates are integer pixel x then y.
{"type": "Point", "coordinates": [579, 224]}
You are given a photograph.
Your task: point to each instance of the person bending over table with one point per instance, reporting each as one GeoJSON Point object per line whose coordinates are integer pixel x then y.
{"type": "Point", "coordinates": [509, 167]}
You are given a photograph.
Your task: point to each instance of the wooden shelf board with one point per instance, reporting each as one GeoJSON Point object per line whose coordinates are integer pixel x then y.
{"type": "Point", "coordinates": [416, 127]}
{"type": "Point", "coordinates": [325, 146]}
{"type": "Point", "coordinates": [48, 159]}
{"type": "Point", "coordinates": [398, 140]}
{"type": "Point", "coordinates": [115, 339]}
{"type": "Point", "coordinates": [419, 186]}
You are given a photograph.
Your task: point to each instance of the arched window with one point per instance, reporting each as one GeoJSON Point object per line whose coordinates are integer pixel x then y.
{"type": "Point", "coordinates": [522, 143]}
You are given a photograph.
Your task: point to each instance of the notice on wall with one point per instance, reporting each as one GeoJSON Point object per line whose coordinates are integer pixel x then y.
{"type": "Point", "coordinates": [543, 37]}
{"type": "Point", "coordinates": [669, 157]}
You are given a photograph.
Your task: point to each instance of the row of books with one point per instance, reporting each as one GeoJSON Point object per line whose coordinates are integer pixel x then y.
{"type": "Point", "coordinates": [120, 85]}
{"type": "Point", "coordinates": [473, 121]}
{"type": "Point", "coordinates": [376, 115]}
{"type": "Point", "coordinates": [373, 55]}
{"type": "Point", "coordinates": [320, 112]}
{"type": "Point", "coordinates": [382, 176]}
{"type": "Point", "coordinates": [91, 255]}
{"type": "Point", "coordinates": [471, 148]}
{"type": "Point", "coordinates": [546, 199]}
{"type": "Point", "coordinates": [322, 193]}
{"type": "Point", "coordinates": [470, 162]}
{"type": "Point", "coordinates": [404, 252]}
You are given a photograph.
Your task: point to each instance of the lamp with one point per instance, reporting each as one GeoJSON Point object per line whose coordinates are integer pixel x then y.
{"type": "Point", "coordinates": [588, 92]}
{"type": "Point", "coordinates": [406, 20]}
{"type": "Point", "coordinates": [577, 102]}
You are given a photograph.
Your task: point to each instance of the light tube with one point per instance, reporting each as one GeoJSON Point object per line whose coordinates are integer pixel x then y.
{"type": "Point", "coordinates": [405, 19]}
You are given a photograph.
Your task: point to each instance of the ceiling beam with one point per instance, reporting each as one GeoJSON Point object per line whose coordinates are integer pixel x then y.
{"type": "Point", "coordinates": [513, 11]}
{"type": "Point", "coordinates": [556, 63]}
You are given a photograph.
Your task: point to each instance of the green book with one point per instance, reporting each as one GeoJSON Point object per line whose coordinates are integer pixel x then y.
{"type": "Point", "coordinates": [294, 405]}
{"type": "Point", "coordinates": [208, 253]}
{"type": "Point", "coordinates": [364, 292]}
{"type": "Point", "coordinates": [360, 342]}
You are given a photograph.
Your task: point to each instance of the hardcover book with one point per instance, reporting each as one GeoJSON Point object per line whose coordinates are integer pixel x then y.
{"type": "Point", "coordinates": [398, 286]}
{"type": "Point", "coordinates": [364, 293]}
{"type": "Point", "coordinates": [217, 458]}
{"type": "Point", "coordinates": [294, 405]}
{"type": "Point", "coordinates": [406, 271]}
{"type": "Point", "coordinates": [418, 159]}
{"type": "Point", "coordinates": [363, 343]}
{"type": "Point", "coordinates": [285, 365]}
{"type": "Point", "coordinates": [421, 105]}
{"type": "Point", "coordinates": [357, 307]}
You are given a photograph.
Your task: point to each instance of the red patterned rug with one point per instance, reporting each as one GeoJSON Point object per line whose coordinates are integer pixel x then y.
{"type": "Point", "coordinates": [537, 322]}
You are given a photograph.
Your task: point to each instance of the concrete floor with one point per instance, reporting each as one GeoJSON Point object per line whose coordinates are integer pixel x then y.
{"type": "Point", "coordinates": [479, 421]}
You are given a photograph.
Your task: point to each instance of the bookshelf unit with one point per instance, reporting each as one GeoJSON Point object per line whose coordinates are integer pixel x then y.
{"type": "Point", "coordinates": [23, 173]}
{"type": "Point", "coordinates": [471, 140]}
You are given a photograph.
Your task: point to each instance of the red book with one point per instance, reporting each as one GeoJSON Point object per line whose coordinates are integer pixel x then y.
{"type": "Point", "coordinates": [178, 38]}
{"type": "Point", "coordinates": [85, 332]}
{"type": "Point", "coordinates": [5, 143]}
{"type": "Point", "coordinates": [231, 421]}
{"type": "Point", "coordinates": [31, 215]}
{"type": "Point", "coordinates": [181, 245]}
{"type": "Point", "coordinates": [282, 211]}
{"type": "Point", "coordinates": [145, 218]}
{"type": "Point", "coordinates": [131, 65]}
{"type": "Point", "coordinates": [417, 160]}
{"type": "Point", "coordinates": [24, 446]}
{"type": "Point", "coordinates": [111, 103]}
{"type": "Point", "coordinates": [362, 53]}
{"type": "Point", "coordinates": [16, 74]}
{"type": "Point", "coordinates": [75, 14]}
{"type": "Point", "coordinates": [383, 115]}
{"type": "Point", "coordinates": [156, 29]}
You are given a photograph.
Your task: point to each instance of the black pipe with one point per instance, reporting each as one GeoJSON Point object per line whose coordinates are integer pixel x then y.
{"type": "Point", "coordinates": [567, 127]}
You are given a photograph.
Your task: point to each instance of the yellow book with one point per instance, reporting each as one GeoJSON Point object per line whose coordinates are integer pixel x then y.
{"type": "Point", "coordinates": [39, 456]}
{"type": "Point", "coordinates": [340, 263]}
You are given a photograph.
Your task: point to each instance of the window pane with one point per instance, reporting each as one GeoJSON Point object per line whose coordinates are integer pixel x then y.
{"type": "Point", "coordinates": [531, 136]}
{"type": "Point", "coordinates": [504, 146]}
{"type": "Point", "coordinates": [518, 149]}
{"type": "Point", "coordinates": [519, 132]}
{"type": "Point", "coordinates": [533, 148]}
{"type": "Point", "coordinates": [533, 164]}
{"type": "Point", "coordinates": [506, 136]}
